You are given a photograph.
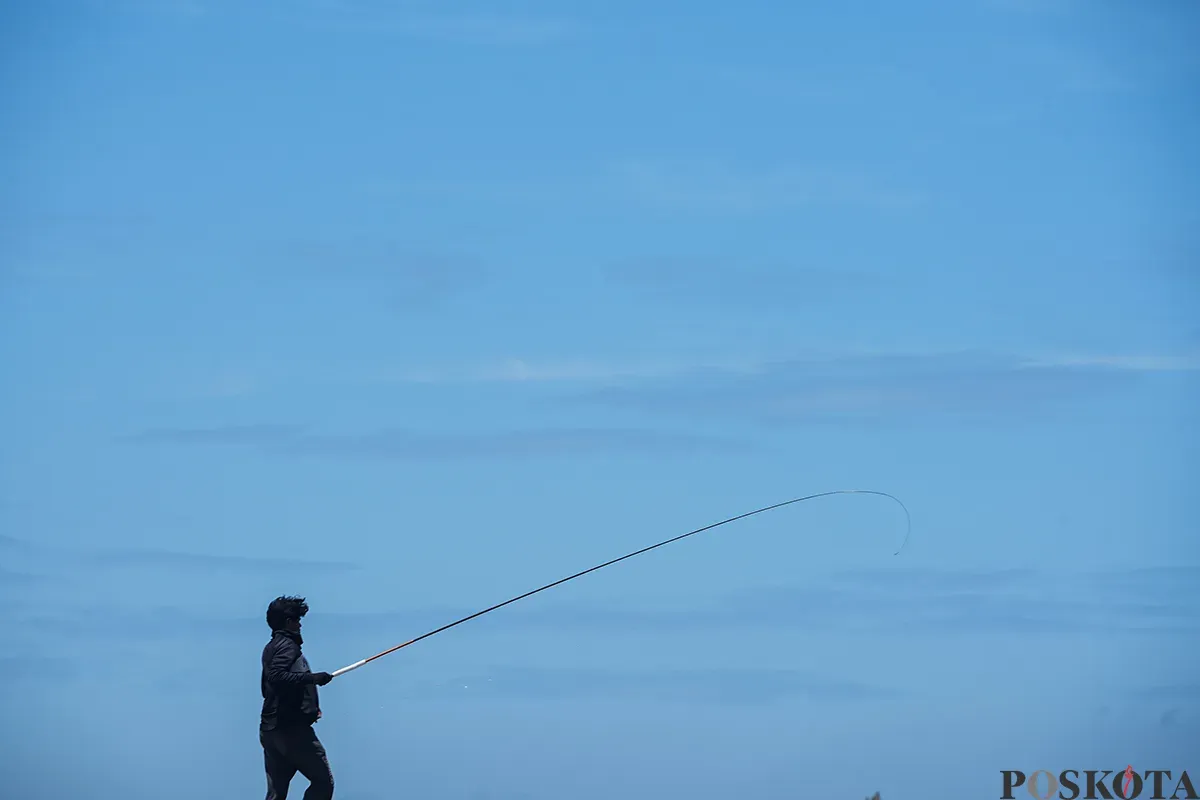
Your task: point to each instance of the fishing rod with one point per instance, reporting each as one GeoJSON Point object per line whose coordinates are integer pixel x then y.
{"type": "Point", "coordinates": [560, 581]}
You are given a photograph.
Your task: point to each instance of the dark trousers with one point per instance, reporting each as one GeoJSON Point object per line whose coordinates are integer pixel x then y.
{"type": "Point", "coordinates": [287, 751]}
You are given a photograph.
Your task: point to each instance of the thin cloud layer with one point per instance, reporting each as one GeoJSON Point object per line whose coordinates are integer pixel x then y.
{"type": "Point", "coordinates": [14, 578]}
{"type": "Point", "coordinates": [1180, 704]}
{"type": "Point", "coordinates": [373, 17]}
{"type": "Point", "coordinates": [12, 544]}
{"type": "Point", "coordinates": [875, 601]}
{"type": "Point", "coordinates": [714, 189]}
{"type": "Point", "coordinates": [207, 562]}
{"type": "Point", "coordinates": [57, 563]}
{"type": "Point", "coordinates": [748, 285]}
{"type": "Point", "coordinates": [485, 29]}
{"type": "Point", "coordinates": [409, 280]}
{"type": "Point", "coordinates": [863, 602]}
{"type": "Point", "coordinates": [1177, 692]}
{"type": "Point", "coordinates": [664, 372]}
{"type": "Point", "coordinates": [128, 626]}
{"type": "Point", "coordinates": [519, 370]}
{"type": "Point", "coordinates": [40, 669]}
{"type": "Point", "coordinates": [723, 686]}
{"type": "Point", "coordinates": [404, 445]}
{"type": "Point", "coordinates": [881, 388]}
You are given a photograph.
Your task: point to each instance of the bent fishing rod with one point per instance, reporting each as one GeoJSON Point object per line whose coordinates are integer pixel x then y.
{"type": "Point", "coordinates": [560, 581]}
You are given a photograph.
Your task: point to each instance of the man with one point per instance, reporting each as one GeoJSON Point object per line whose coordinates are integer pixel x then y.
{"type": "Point", "coordinates": [291, 707]}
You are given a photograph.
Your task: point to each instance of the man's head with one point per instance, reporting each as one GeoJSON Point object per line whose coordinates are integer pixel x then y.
{"type": "Point", "coordinates": [285, 613]}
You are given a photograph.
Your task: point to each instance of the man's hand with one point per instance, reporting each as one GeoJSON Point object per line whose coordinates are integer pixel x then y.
{"type": "Point", "coordinates": [322, 678]}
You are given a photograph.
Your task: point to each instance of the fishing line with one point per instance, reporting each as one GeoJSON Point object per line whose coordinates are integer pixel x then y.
{"type": "Point", "coordinates": [390, 650]}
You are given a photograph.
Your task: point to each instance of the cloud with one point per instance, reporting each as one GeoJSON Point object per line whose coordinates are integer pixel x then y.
{"type": "Point", "coordinates": [486, 29]}
{"type": "Point", "coordinates": [857, 84]}
{"type": "Point", "coordinates": [411, 280]}
{"type": "Point", "coordinates": [373, 17]}
{"type": "Point", "coordinates": [206, 562]}
{"type": "Point", "coordinates": [932, 601]}
{"type": "Point", "coordinates": [479, 28]}
{"type": "Point", "coordinates": [728, 282]}
{"type": "Point", "coordinates": [1076, 72]}
{"type": "Point", "coordinates": [939, 580]}
{"type": "Point", "coordinates": [58, 558]}
{"type": "Point", "coordinates": [1179, 704]}
{"type": "Point", "coordinates": [713, 189]}
{"type": "Point", "coordinates": [875, 602]}
{"type": "Point", "coordinates": [39, 669]}
{"type": "Point", "coordinates": [1149, 580]}
{"type": "Point", "coordinates": [723, 686]}
{"type": "Point", "coordinates": [25, 568]}
{"type": "Point", "coordinates": [978, 601]}
{"type": "Point", "coordinates": [13, 544]}
{"type": "Point", "coordinates": [583, 370]}
{"type": "Point", "coordinates": [877, 389]}
{"type": "Point", "coordinates": [1137, 363]}
{"type": "Point", "coordinates": [1056, 63]}
{"type": "Point", "coordinates": [662, 372]}
{"type": "Point", "coordinates": [403, 445]}
{"type": "Point", "coordinates": [9, 578]}
{"type": "Point", "coordinates": [178, 8]}
{"type": "Point", "coordinates": [224, 435]}
{"type": "Point", "coordinates": [1018, 600]}
{"type": "Point", "coordinates": [649, 369]}
{"type": "Point", "coordinates": [135, 626]}
{"type": "Point", "coordinates": [53, 247]}
{"type": "Point", "coordinates": [1176, 692]}
{"type": "Point", "coordinates": [1037, 7]}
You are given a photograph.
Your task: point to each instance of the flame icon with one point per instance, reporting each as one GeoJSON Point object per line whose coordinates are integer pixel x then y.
{"type": "Point", "coordinates": [1128, 780]}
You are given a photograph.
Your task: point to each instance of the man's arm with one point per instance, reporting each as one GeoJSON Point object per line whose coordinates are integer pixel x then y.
{"type": "Point", "coordinates": [279, 669]}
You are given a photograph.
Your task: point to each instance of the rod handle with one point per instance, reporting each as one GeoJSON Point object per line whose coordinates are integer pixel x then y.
{"type": "Point", "coordinates": [353, 666]}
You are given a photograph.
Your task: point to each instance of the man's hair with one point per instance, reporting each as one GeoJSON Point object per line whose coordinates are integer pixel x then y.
{"type": "Point", "coordinates": [284, 608]}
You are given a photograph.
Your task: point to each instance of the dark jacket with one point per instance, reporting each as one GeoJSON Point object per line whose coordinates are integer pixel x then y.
{"type": "Point", "coordinates": [288, 689]}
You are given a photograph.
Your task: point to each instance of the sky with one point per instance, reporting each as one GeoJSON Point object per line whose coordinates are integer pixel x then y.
{"type": "Point", "coordinates": [410, 307]}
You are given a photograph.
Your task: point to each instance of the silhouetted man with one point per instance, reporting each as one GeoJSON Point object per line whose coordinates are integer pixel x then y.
{"type": "Point", "coordinates": [291, 707]}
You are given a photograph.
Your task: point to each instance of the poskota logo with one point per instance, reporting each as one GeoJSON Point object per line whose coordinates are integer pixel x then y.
{"type": "Point", "coordinates": [1094, 784]}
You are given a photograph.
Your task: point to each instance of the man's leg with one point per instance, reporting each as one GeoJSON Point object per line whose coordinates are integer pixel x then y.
{"type": "Point", "coordinates": [280, 769]}
{"type": "Point", "coordinates": [308, 754]}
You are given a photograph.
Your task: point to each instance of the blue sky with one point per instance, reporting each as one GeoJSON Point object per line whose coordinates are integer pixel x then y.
{"type": "Point", "coordinates": [411, 307]}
